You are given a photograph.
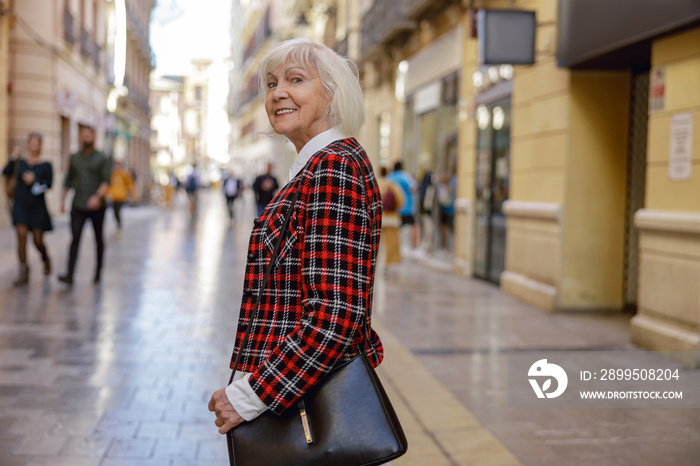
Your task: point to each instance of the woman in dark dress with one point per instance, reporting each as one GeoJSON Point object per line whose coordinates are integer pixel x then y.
{"type": "Point", "coordinates": [29, 213]}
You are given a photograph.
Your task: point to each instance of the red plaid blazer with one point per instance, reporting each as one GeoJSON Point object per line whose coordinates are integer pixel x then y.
{"type": "Point", "coordinates": [320, 288]}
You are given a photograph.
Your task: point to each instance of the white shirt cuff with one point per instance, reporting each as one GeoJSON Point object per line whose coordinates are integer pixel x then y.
{"type": "Point", "coordinates": [243, 399]}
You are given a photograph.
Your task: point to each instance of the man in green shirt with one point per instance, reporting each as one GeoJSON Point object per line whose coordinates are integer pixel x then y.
{"type": "Point", "coordinates": [88, 175]}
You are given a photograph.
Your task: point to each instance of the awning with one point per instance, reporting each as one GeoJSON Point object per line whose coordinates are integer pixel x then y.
{"type": "Point", "coordinates": [614, 34]}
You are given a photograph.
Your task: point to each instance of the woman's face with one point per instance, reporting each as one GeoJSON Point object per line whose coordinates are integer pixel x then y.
{"type": "Point", "coordinates": [34, 145]}
{"type": "Point", "coordinates": [297, 104]}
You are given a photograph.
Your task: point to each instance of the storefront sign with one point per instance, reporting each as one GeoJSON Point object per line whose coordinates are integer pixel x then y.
{"type": "Point", "coordinates": [427, 98]}
{"type": "Point", "coordinates": [65, 102]}
{"type": "Point", "coordinates": [441, 58]}
{"type": "Point", "coordinates": [657, 89]}
{"type": "Point", "coordinates": [680, 160]}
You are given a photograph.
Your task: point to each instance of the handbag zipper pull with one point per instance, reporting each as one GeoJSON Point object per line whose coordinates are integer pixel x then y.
{"type": "Point", "coordinates": [305, 423]}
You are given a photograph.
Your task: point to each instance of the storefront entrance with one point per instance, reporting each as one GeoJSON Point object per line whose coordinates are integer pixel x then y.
{"type": "Point", "coordinates": [636, 181]}
{"type": "Point", "coordinates": [492, 186]}
{"type": "Point", "coordinates": [430, 155]}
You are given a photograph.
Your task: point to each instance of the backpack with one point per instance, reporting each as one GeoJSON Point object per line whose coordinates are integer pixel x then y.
{"type": "Point", "coordinates": [389, 201]}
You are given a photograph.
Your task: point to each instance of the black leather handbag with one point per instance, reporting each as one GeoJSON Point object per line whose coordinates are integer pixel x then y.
{"type": "Point", "coordinates": [346, 420]}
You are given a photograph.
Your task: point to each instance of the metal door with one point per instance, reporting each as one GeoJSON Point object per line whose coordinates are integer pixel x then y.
{"type": "Point", "coordinates": [636, 181]}
{"type": "Point", "coordinates": [492, 188]}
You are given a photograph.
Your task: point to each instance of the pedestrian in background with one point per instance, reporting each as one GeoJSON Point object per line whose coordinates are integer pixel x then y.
{"type": "Point", "coordinates": [318, 297]}
{"type": "Point", "coordinates": [192, 184]}
{"type": "Point", "coordinates": [392, 201]}
{"type": "Point", "coordinates": [232, 188]}
{"type": "Point", "coordinates": [29, 212]}
{"type": "Point", "coordinates": [446, 195]}
{"type": "Point", "coordinates": [265, 187]}
{"type": "Point", "coordinates": [409, 186]}
{"type": "Point", "coordinates": [121, 186]}
{"type": "Point", "coordinates": [88, 176]}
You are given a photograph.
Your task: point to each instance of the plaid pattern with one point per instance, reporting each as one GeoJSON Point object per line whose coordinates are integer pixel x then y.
{"type": "Point", "coordinates": [311, 312]}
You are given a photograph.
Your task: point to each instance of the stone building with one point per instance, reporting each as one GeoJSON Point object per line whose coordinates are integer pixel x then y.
{"type": "Point", "coordinates": [77, 63]}
{"type": "Point", "coordinates": [574, 183]}
{"type": "Point", "coordinates": [131, 61]}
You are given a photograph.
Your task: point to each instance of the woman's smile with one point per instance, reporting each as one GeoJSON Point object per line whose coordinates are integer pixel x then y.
{"type": "Point", "coordinates": [297, 104]}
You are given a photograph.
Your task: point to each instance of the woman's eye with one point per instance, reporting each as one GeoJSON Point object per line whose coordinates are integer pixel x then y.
{"type": "Point", "coordinates": [271, 85]}
{"type": "Point", "coordinates": [296, 80]}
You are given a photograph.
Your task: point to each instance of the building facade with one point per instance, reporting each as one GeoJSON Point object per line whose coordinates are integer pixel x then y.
{"type": "Point", "coordinates": [168, 152]}
{"type": "Point", "coordinates": [632, 104]}
{"type": "Point", "coordinates": [57, 77]}
{"type": "Point", "coordinates": [63, 58]}
{"type": "Point", "coordinates": [413, 55]}
{"type": "Point", "coordinates": [264, 23]}
{"type": "Point", "coordinates": [6, 19]}
{"type": "Point", "coordinates": [574, 186]}
{"type": "Point", "coordinates": [206, 125]}
{"type": "Point", "coordinates": [130, 62]}
{"type": "Point", "coordinates": [570, 181]}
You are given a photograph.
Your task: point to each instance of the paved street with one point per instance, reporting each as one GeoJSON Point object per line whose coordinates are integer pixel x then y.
{"type": "Point", "coordinates": [120, 373]}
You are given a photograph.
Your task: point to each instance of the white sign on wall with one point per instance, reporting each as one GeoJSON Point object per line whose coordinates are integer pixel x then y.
{"type": "Point", "coordinates": [657, 89]}
{"type": "Point", "coordinates": [680, 159]}
{"type": "Point", "coordinates": [427, 98]}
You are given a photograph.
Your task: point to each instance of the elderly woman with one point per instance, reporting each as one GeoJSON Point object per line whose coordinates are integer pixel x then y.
{"type": "Point", "coordinates": [319, 292]}
{"type": "Point", "coordinates": [29, 212]}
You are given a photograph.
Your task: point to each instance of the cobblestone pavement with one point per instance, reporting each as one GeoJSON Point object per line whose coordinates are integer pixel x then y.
{"type": "Point", "coordinates": [120, 373]}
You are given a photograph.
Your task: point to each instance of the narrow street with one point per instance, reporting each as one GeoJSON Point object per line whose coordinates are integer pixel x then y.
{"type": "Point", "coordinates": [120, 373]}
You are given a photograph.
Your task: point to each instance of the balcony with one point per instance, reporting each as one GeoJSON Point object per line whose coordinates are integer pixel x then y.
{"type": "Point", "coordinates": [384, 23]}
{"type": "Point", "coordinates": [427, 9]}
{"type": "Point", "coordinates": [68, 32]}
{"type": "Point", "coordinates": [136, 98]}
{"type": "Point", "coordinates": [85, 44]}
{"type": "Point", "coordinates": [140, 31]}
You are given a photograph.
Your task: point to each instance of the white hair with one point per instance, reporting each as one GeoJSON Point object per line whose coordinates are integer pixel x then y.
{"type": "Point", "coordinates": [339, 75]}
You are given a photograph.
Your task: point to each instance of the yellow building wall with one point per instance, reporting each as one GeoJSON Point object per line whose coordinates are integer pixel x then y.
{"type": "Point", "coordinates": [379, 98]}
{"type": "Point", "coordinates": [466, 161]}
{"type": "Point", "coordinates": [540, 117]}
{"type": "Point", "coordinates": [595, 187]}
{"type": "Point", "coordinates": [566, 212]}
{"type": "Point", "coordinates": [680, 56]}
{"type": "Point", "coordinates": [668, 317]}
{"type": "Point", "coordinates": [538, 169]}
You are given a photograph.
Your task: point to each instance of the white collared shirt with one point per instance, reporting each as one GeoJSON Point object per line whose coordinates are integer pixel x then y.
{"type": "Point", "coordinates": [317, 143]}
{"type": "Point", "coordinates": [240, 394]}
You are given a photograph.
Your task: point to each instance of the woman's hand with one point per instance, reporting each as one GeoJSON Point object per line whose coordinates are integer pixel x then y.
{"type": "Point", "coordinates": [226, 416]}
{"type": "Point", "coordinates": [28, 177]}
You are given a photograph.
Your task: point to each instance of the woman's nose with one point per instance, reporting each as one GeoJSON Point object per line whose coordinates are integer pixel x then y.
{"type": "Point", "coordinates": [279, 92]}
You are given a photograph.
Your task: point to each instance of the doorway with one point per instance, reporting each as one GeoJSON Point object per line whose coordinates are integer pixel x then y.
{"type": "Point", "coordinates": [492, 188]}
{"type": "Point", "coordinates": [636, 182]}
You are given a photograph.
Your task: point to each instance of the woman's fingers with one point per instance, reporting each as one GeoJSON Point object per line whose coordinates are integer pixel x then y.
{"type": "Point", "coordinates": [226, 416]}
